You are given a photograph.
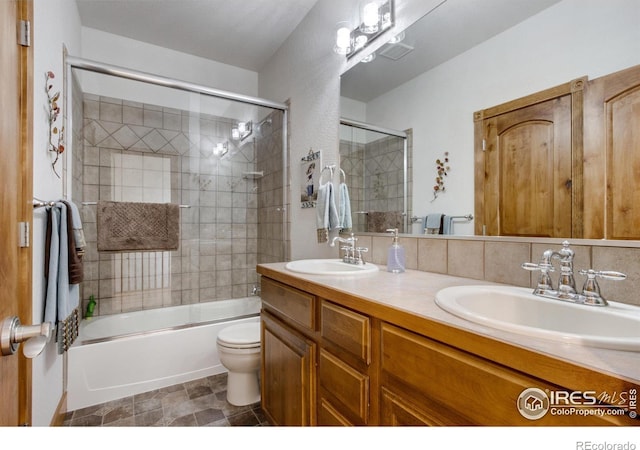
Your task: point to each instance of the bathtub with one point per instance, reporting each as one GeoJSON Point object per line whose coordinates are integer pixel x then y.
{"type": "Point", "coordinates": [120, 355]}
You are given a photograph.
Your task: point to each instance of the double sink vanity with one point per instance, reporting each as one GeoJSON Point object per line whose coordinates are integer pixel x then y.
{"type": "Point", "coordinates": [348, 344]}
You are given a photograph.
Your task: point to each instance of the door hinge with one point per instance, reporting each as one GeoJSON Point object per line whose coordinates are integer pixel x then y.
{"type": "Point", "coordinates": [484, 145]}
{"type": "Point", "coordinates": [24, 33]}
{"type": "Point", "coordinates": [23, 234]}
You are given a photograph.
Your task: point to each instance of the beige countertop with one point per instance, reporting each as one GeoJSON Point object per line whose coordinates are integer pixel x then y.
{"type": "Point", "coordinates": [414, 292]}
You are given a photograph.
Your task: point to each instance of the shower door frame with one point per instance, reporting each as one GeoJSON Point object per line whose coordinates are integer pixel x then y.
{"type": "Point", "coordinates": [73, 62]}
{"type": "Point", "coordinates": [397, 133]}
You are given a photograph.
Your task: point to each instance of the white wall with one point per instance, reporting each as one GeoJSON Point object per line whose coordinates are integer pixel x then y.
{"type": "Point", "coordinates": [125, 52]}
{"type": "Point", "coordinates": [55, 23]}
{"type": "Point", "coordinates": [569, 40]}
{"type": "Point", "coordinates": [306, 71]}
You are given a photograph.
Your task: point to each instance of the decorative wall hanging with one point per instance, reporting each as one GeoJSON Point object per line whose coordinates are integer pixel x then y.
{"type": "Point", "coordinates": [442, 167]}
{"type": "Point", "coordinates": [53, 111]}
{"type": "Point", "coordinates": [310, 176]}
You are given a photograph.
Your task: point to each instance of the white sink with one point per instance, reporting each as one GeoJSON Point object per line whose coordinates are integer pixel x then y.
{"type": "Point", "coordinates": [514, 309]}
{"type": "Point", "coordinates": [329, 267]}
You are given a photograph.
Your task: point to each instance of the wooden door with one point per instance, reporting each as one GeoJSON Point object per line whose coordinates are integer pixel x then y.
{"type": "Point", "coordinates": [15, 203]}
{"type": "Point", "coordinates": [612, 156]}
{"type": "Point", "coordinates": [288, 375]}
{"type": "Point", "coordinates": [528, 166]}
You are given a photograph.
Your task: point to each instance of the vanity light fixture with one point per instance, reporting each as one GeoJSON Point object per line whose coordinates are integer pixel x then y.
{"type": "Point", "coordinates": [241, 131]}
{"type": "Point", "coordinates": [376, 18]}
{"type": "Point", "coordinates": [221, 149]}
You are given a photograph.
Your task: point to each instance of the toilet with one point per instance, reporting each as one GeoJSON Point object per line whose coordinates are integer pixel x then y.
{"type": "Point", "coordinates": [239, 351]}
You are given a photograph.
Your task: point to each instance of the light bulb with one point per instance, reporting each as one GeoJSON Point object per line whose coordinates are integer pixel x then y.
{"type": "Point", "coordinates": [242, 128]}
{"type": "Point", "coordinates": [370, 18]}
{"type": "Point", "coordinates": [235, 134]}
{"type": "Point", "coordinates": [343, 41]}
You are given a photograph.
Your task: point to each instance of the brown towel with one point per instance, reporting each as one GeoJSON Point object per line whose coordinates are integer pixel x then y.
{"type": "Point", "coordinates": [76, 271]}
{"type": "Point", "coordinates": [381, 221]}
{"type": "Point", "coordinates": [125, 226]}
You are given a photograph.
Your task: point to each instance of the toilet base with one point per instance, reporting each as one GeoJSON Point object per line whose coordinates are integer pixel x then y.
{"type": "Point", "coordinates": [243, 388]}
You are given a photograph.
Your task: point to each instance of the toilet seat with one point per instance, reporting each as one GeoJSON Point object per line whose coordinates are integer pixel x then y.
{"type": "Point", "coordinates": [244, 335]}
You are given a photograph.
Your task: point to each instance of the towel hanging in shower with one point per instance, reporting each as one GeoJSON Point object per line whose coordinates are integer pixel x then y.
{"type": "Point", "coordinates": [129, 226]}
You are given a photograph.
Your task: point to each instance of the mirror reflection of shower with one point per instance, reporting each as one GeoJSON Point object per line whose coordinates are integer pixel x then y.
{"type": "Point", "coordinates": [376, 162]}
{"type": "Point", "coordinates": [141, 142]}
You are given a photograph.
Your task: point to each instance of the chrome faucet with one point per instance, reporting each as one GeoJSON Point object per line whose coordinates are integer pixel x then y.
{"type": "Point", "coordinates": [566, 282]}
{"type": "Point", "coordinates": [352, 254]}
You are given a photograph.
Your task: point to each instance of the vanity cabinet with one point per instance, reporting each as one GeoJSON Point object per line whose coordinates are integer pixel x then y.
{"type": "Point", "coordinates": [331, 358]}
{"type": "Point", "coordinates": [343, 368]}
{"type": "Point", "coordinates": [289, 355]}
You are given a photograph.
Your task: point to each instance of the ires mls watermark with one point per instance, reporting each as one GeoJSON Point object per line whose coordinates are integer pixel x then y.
{"type": "Point", "coordinates": [534, 403]}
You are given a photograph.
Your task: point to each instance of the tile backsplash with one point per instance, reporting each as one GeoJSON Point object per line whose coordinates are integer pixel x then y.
{"type": "Point", "coordinates": [498, 259]}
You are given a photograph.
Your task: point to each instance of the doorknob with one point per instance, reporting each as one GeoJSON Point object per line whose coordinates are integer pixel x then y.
{"type": "Point", "coordinates": [12, 334]}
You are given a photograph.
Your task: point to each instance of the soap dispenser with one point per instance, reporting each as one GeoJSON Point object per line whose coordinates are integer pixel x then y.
{"type": "Point", "coordinates": [395, 256]}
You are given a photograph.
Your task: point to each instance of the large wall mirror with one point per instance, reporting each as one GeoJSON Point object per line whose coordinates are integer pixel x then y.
{"type": "Point", "coordinates": [466, 56]}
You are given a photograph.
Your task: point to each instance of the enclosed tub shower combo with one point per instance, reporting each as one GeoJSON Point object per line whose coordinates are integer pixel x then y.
{"type": "Point", "coordinates": [219, 159]}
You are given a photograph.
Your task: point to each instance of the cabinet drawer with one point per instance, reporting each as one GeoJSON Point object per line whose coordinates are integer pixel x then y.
{"type": "Point", "coordinates": [347, 329]}
{"type": "Point", "coordinates": [330, 417]}
{"type": "Point", "coordinates": [347, 385]}
{"type": "Point", "coordinates": [484, 392]}
{"type": "Point", "coordinates": [289, 302]}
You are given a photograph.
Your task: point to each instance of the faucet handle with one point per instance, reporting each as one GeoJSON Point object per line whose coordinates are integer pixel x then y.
{"type": "Point", "coordinates": [591, 289]}
{"type": "Point", "coordinates": [542, 267]}
{"type": "Point", "coordinates": [359, 252]}
{"type": "Point", "coordinates": [604, 274]}
{"type": "Point", "coordinates": [545, 285]}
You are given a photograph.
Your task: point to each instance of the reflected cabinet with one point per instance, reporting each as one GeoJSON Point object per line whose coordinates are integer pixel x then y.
{"type": "Point", "coordinates": [563, 162]}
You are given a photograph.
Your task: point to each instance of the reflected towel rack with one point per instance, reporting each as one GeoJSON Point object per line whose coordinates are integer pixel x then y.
{"type": "Point", "coordinates": [330, 168]}
{"type": "Point", "coordinates": [415, 219]}
{"type": "Point", "coordinates": [37, 203]}
{"type": "Point", "coordinates": [95, 203]}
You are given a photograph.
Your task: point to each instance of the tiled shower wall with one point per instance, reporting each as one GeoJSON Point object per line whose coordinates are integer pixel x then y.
{"type": "Point", "coordinates": [375, 168]}
{"type": "Point", "coordinates": [147, 153]}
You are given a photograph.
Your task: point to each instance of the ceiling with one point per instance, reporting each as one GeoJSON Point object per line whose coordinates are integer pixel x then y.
{"type": "Point", "coordinates": [448, 30]}
{"type": "Point", "coordinates": [244, 33]}
{"type": "Point", "coordinates": [247, 33]}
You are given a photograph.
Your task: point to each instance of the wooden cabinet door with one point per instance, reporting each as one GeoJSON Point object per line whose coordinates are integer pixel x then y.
{"type": "Point", "coordinates": [612, 156]}
{"type": "Point", "coordinates": [529, 154]}
{"type": "Point", "coordinates": [288, 374]}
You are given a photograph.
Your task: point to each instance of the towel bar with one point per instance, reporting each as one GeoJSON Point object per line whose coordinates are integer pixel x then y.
{"type": "Point", "coordinates": [95, 203]}
{"type": "Point", "coordinates": [415, 219]}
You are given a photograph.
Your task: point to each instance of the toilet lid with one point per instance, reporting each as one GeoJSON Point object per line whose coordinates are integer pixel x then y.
{"type": "Point", "coordinates": [241, 334]}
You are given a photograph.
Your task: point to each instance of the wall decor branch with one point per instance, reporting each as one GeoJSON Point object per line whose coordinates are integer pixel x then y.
{"type": "Point", "coordinates": [53, 111]}
{"type": "Point", "coordinates": [442, 169]}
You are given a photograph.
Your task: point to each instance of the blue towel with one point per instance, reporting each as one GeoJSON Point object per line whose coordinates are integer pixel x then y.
{"type": "Point", "coordinates": [344, 212]}
{"type": "Point", "coordinates": [432, 223]}
{"type": "Point", "coordinates": [326, 212]}
{"type": "Point", "coordinates": [62, 299]}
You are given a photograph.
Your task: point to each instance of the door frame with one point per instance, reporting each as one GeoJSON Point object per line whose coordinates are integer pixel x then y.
{"type": "Point", "coordinates": [25, 208]}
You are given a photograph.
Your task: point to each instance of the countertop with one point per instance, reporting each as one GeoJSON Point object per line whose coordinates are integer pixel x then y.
{"type": "Point", "coordinates": [413, 292]}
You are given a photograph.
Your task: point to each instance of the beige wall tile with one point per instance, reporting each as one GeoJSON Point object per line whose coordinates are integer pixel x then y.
{"type": "Point", "coordinates": [432, 255]}
{"type": "Point", "coordinates": [619, 259]}
{"type": "Point", "coordinates": [466, 259]}
{"type": "Point", "coordinates": [503, 260]}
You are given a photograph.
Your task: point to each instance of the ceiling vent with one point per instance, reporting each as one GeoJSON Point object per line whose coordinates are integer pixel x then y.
{"type": "Point", "coordinates": [395, 51]}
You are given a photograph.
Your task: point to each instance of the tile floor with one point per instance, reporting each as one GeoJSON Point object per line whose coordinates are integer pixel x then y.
{"type": "Point", "coordinates": [198, 403]}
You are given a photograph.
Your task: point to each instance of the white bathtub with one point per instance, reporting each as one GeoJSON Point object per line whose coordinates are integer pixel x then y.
{"type": "Point", "coordinates": [120, 355]}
